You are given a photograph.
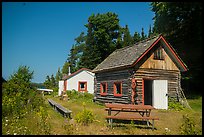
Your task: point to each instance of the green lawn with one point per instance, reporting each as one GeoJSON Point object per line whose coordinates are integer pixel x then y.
{"type": "Point", "coordinates": [196, 104]}
{"type": "Point", "coordinates": [169, 121]}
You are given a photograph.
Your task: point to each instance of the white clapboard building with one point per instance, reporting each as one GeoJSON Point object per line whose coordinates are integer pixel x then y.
{"type": "Point", "coordinates": [81, 80]}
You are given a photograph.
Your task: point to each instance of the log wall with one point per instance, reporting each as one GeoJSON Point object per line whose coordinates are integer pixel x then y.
{"type": "Point", "coordinates": [110, 78]}
{"type": "Point", "coordinates": [157, 74]}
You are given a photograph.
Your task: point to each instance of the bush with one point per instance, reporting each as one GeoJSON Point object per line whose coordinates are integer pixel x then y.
{"type": "Point", "coordinates": [73, 94]}
{"type": "Point", "coordinates": [68, 127]}
{"type": "Point", "coordinates": [188, 126]}
{"type": "Point", "coordinates": [19, 100]}
{"type": "Point", "coordinates": [85, 117]}
{"type": "Point", "coordinates": [172, 104]}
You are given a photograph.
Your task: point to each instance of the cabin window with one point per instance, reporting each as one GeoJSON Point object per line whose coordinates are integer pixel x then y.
{"type": "Point", "coordinates": [82, 86]}
{"type": "Point", "coordinates": [117, 87]}
{"type": "Point", "coordinates": [158, 54]}
{"type": "Point", "coordinates": [103, 88]}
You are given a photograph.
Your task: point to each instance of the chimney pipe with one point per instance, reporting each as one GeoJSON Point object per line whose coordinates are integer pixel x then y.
{"type": "Point", "coordinates": [69, 73]}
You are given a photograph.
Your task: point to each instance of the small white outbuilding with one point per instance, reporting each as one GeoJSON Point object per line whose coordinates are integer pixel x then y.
{"type": "Point", "coordinates": [81, 80]}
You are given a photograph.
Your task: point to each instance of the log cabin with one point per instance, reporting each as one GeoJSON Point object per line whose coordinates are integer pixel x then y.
{"type": "Point", "coordinates": [148, 73]}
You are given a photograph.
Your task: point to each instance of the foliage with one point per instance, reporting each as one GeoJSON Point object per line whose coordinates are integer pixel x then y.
{"type": "Point", "coordinates": [65, 67]}
{"type": "Point", "coordinates": [101, 35]}
{"type": "Point", "coordinates": [76, 52]}
{"type": "Point", "coordinates": [51, 82]}
{"type": "Point", "coordinates": [68, 127]}
{"type": "Point", "coordinates": [58, 76]}
{"type": "Point", "coordinates": [181, 24]}
{"type": "Point", "coordinates": [188, 126]}
{"type": "Point", "coordinates": [136, 37]}
{"type": "Point", "coordinates": [73, 94]}
{"type": "Point", "coordinates": [174, 105]}
{"type": "Point", "coordinates": [43, 123]}
{"type": "Point", "coordinates": [143, 36]}
{"type": "Point", "coordinates": [19, 100]}
{"type": "Point", "coordinates": [85, 117]}
{"type": "Point", "coordinates": [17, 93]}
{"type": "Point", "coordinates": [104, 35]}
{"type": "Point", "coordinates": [127, 38]}
{"type": "Point", "coordinates": [14, 126]}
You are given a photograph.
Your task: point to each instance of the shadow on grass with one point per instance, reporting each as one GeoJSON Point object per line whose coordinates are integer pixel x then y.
{"type": "Point", "coordinates": [137, 124]}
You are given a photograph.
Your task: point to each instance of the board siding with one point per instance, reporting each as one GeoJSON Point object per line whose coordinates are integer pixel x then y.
{"type": "Point", "coordinates": [125, 77]}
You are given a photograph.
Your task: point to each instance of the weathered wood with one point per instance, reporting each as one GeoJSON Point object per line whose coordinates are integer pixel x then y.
{"type": "Point", "coordinates": [139, 74]}
{"type": "Point", "coordinates": [166, 63]}
{"type": "Point", "coordinates": [60, 108]}
{"type": "Point", "coordinates": [127, 117]}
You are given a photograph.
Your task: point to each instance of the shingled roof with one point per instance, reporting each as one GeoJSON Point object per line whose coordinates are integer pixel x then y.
{"type": "Point", "coordinates": [127, 56]}
{"type": "Point", "coordinates": [75, 73]}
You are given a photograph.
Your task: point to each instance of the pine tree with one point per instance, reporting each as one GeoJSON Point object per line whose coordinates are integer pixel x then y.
{"type": "Point", "coordinates": [65, 68]}
{"type": "Point", "coordinates": [150, 31]}
{"type": "Point", "coordinates": [58, 76]}
{"type": "Point", "coordinates": [127, 39]}
{"type": "Point", "coordinates": [143, 36]}
{"type": "Point", "coordinates": [53, 83]}
{"type": "Point", "coordinates": [47, 82]}
{"type": "Point", "coordinates": [136, 37]}
{"type": "Point", "coordinates": [101, 38]}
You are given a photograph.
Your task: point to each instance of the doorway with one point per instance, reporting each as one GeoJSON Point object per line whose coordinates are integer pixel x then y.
{"type": "Point", "coordinates": [148, 92]}
{"type": "Point", "coordinates": [156, 93]}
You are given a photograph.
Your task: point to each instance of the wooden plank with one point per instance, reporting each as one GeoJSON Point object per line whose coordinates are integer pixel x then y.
{"type": "Point", "coordinates": [127, 117]}
{"type": "Point", "coordinates": [128, 106]}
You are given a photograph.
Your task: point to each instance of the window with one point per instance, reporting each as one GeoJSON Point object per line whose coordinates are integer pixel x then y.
{"type": "Point", "coordinates": [103, 88]}
{"type": "Point", "coordinates": [117, 88]}
{"type": "Point", "coordinates": [82, 86]}
{"type": "Point", "coordinates": [158, 54]}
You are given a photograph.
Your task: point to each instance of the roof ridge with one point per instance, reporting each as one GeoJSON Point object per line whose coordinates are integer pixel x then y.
{"type": "Point", "coordinates": [137, 43]}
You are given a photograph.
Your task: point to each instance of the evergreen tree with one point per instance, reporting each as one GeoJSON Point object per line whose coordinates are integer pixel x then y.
{"type": "Point", "coordinates": [143, 36]}
{"type": "Point", "coordinates": [53, 82]}
{"type": "Point", "coordinates": [181, 24]}
{"type": "Point", "coordinates": [150, 31]}
{"type": "Point", "coordinates": [58, 76]}
{"type": "Point", "coordinates": [119, 41]}
{"type": "Point", "coordinates": [76, 52]}
{"type": "Point", "coordinates": [127, 39]}
{"type": "Point", "coordinates": [136, 37]}
{"type": "Point", "coordinates": [65, 68]}
{"type": "Point", "coordinates": [101, 38]}
{"type": "Point", "coordinates": [47, 82]}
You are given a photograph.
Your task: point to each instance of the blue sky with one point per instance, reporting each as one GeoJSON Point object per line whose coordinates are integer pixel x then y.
{"type": "Point", "coordinates": [40, 34]}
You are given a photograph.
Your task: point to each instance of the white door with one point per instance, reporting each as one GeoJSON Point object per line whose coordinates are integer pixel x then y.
{"type": "Point", "coordinates": [160, 97]}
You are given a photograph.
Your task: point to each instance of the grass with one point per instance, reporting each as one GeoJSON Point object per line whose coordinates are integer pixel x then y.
{"type": "Point", "coordinates": [196, 104]}
{"type": "Point", "coordinates": [168, 124]}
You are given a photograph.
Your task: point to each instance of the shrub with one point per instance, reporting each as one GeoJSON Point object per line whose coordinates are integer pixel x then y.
{"type": "Point", "coordinates": [188, 126]}
{"type": "Point", "coordinates": [85, 117]}
{"type": "Point", "coordinates": [172, 104]}
{"type": "Point", "coordinates": [43, 123]}
{"type": "Point", "coordinates": [73, 94]}
{"type": "Point", "coordinates": [68, 127]}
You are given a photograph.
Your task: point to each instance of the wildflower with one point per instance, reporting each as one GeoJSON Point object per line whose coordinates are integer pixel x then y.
{"type": "Point", "coordinates": [6, 120]}
{"type": "Point", "coordinates": [6, 124]}
{"type": "Point", "coordinates": [15, 133]}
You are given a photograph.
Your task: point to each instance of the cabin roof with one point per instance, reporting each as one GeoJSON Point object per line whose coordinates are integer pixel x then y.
{"type": "Point", "coordinates": [75, 73]}
{"type": "Point", "coordinates": [130, 55]}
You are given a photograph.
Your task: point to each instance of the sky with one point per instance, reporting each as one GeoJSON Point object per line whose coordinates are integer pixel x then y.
{"type": "Point", "coordinates": [40, 34]}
